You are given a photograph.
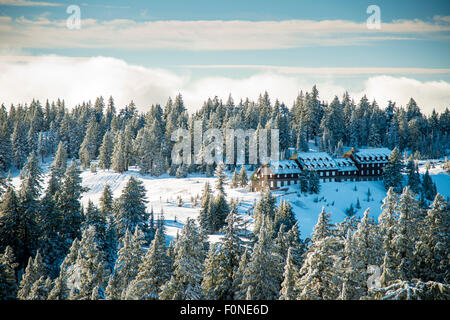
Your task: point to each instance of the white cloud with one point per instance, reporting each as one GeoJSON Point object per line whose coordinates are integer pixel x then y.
{"type": "Point", "coordinates": [210, 35]}
{"type": "Point", "coordinates": [23, 3]}
{"type": "Point", "coordinates": [82, 79]}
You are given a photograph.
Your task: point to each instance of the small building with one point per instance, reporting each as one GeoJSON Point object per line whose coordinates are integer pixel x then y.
{"type": "Point", "coordinates": [370, 162]}
{"type": "Point", "coordinates": [355, 165]}
{"type": "Point", "coordinates": [321, 162]}
{"type": "Point", "coordinates": [276, 174]}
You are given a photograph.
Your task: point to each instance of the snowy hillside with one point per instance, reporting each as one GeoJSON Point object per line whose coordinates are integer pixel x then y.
{"type": "Point", "coordinates": [162, 192]}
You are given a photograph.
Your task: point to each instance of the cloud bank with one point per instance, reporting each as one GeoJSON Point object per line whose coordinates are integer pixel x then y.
{"type": "Point", "coordinates": [210, 35]}
{"type": "Point", "coordinates": [81, 79]}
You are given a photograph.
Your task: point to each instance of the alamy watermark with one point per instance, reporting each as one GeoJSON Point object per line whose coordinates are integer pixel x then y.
{"type": "Point", "coordinates": [374, 20]}
{"type": "Point", "coordinates": [207, 147]}
{"type": "Point", "coordinates": [74, 20]}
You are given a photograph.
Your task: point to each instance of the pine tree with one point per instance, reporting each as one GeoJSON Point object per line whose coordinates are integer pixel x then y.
{"type": "Point", "coordinates": [392, 172]}
{"type": "Point", "coordinates": [6, 151]}
{"type": "Point", "coordinates": [40, 289]}
{"type": "Point", "coordinates": [89, 146]}
{"type": "Point", "coordinates": [290, 277]}
{"type": "Point", "coordinates": [388, 227]}
{"type": "Point", "coordinates": [284, 216]}
{"type": "Point", "coordinates": [314, 182]}
{"type": "Point", "coordinates": [8, 285]}
{"type": "Point", "coordinates": [265, 207]}
{"type": "Point", "coordinates": [131, 208]}
{"type": "Point", "coordinates": [68, 201]}
{"type": "Point", "coordinates": [413, 176]}
{"type": "Point", "coordinates": [234, 180]}
{"type": "Point", "coordinates": [367, 248]}
{"type": "Point", "coordinates": [59, 164]}
{"type": "Point", "coordinates": [12, 230]}
{"type": "Point", "coordinates": [90, 267]}
{"type": "Point", "coordinates": [263, 275]}
{"type": "Point", "coordinates": [404, 241]}
{"type": "Point", "coordinates": [106, 201]}
{"type": "Point", "coordinates": [243, 178]}
{"type": "Point", "coordinates": [239, 288]}
{"type": "Point", "coordinates": [119, 160]}
{"type": "Point", "coordinates": [206, 206]}
{"type": "Point", "coordinates": [106, 151]}
{"type": "Point", "coordinates": [126, 267]}
{"type": "Point", "coordinates": [428, 187]}
{"type": "Point", "coordinates": [317, 275]}
{"type": "Point", "coordinates": [221, 179]}
{"type": "Point", "coordinates": [432, 248]}
{"type": "Point", "coordinates": [34, 270]}
{"type": "Point", "coordinates": [185, 282]}
{"type": "Point", "coordinates": [223, 260]}
{"type": "Point", "coordinates": [153, 272]}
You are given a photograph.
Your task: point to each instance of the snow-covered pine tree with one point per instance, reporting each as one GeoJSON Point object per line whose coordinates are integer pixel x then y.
{"type": "Point", "coordinates": [367, 248]}
{"type": "Point", "coordinates": [59, 164]}
{"type": "Point", "coordinates": [185, 282]}
{"type": "Point", "coordinates": [290, 277]}
{"type": "Point", "coordinates": [234, 180]}
{"type": "Point", "coordinates": [265, 207]}
{"type": "Point", "coordinates": [131, 208]}
{"type": "Point", "coordinates": [317, 279]}
{"type": "Point", "coordinates": [407, 233]}
{"type": "Point", "coordinates": [68, 202]}
{"type": "Point", "coordinates": [388, 228]}
{"type": "Point", "coordinates": [413, 175]}
{"type": "Point", "coordinates": [40, 289]}
{"type": "Point", "coordinates": [34, 270]}
{"type": "Point", "coordinates": [8, 284]}
{"type": "Point", "coordinates": [432, 249]}
{"type": "Point", "coordinates": [106, 151]}
{"type": "Point", "coordinates": [206, 204]}
{"type": "Point", "coordinates": [118, 158]}
{"type": "Point", "coordinates": [129, 257]}
{"type": "Point", "coordinates": [153, 272]}
{"type": "Point", "coordinates": [89, 267]}
{"type": "Point", "coordinates": [89, 146]}
{"type": "Point", "coordinates": [428, 187]}
{"type": "Point", "coordinates": [243, 178]}
{"type": "Point", "coordinates": [263, 275]}
{"type": "Point", "coordinates": [392, 176]}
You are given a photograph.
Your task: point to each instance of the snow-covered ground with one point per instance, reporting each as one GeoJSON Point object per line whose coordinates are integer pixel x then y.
{"type": "Point", "coordinates": [162, 192]}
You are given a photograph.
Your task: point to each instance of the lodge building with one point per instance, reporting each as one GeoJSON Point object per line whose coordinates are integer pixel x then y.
{"type": "Point", "coordinates": [354, 165]}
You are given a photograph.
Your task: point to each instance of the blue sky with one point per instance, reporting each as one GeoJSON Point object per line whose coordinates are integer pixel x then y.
{"type": "Point", "coordinates": [206, 48]}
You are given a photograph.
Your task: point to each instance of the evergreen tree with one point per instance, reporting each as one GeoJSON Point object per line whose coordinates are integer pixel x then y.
{"type": "Point", "coordinates": [106, 151]}
{"type": "Point", "coordinates": [131, 208]}
{"type": "Point", "coordinates": [89, 266]}
{"type": "Point", "coordinates": [221, 178]}
{"type": "Point", "coordinates": [6, 151]}
{"type": "Point", "coordinates": [119, 160]}
{"type": "Point", "coordinates": [428, 187]}
{"type": "Point", "coordinates": [413, 176]}
{"type": "Point", "coordinates": [34, 270]}
{"type": "Point", "coordinates": [234, 180]}
{"type": "Point", "coordinates": [263, 275]}
{"type": "Point", "coordinates": [432, 248]}
{"type": "Point", "coordinates": [388, 227]}
{"type": "Point", "coordinates": [59, 164]}
{"type": "Point", "coordinates": [126, 267]}
{"type": "Point", "coordinates": [206, 206]}
{"type": "Point", "coordinates": [68, 201]}
{"type": "Point", "coordinates": [243, 178]}
{"type": "Point", "coordinates": [8, 285]}
{"type": "Point", "coordinates": [40, 289]}
{"type": "Point", "coordinates": [290, 277]}
{"type": "Point", "coordinates": [185, 282]}
{"type": "Point", "coordinates": [392, 176]}
{"type": "Point", "coordinates": [407, 233]}
{"type": "Point", "coordinates": [317, 275]}
{"type": "Point", "coordinates": [153, 272]}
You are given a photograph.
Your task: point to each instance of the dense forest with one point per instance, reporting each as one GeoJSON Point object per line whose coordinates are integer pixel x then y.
{"type": "Point", "coordinates": [51, 247]}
